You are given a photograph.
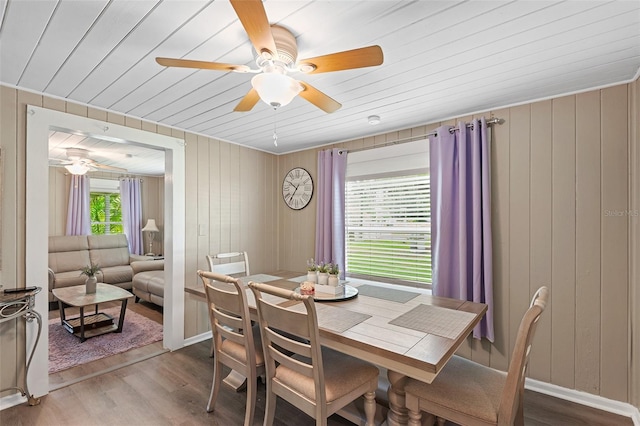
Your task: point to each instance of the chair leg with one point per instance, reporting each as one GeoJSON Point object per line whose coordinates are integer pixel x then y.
{"type": "Point", "coordinates": [370, 407]}
{"type": "Point", "coordinates": [519, 420]}
{"type": "Point", "coordinates": [252, 385]}
{"type": "Point", "coordinates": [215, 386]}
{"type": "Point", "coordinates": [321, 421]}
{"type": "Point", "coordinates": [270, 408]}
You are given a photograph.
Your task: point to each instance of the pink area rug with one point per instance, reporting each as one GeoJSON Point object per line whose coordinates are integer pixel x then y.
{"type": "Point", "coordinates": [66, 350]}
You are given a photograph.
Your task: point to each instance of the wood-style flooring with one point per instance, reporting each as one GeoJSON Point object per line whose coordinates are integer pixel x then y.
{"type": "Point", "coordinates": [172, 388]}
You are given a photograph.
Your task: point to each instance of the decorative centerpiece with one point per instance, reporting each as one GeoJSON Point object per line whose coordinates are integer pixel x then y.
{"type": "Point", "coordinates": [332, 283]}
{"type": "Point", "coordinates": [312, 271]}
{"type": "Point", "coordinates": [91, 281]}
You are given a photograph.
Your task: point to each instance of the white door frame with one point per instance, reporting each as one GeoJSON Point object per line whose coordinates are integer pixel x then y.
{"type": "Point", "coordinates": [39, 123]}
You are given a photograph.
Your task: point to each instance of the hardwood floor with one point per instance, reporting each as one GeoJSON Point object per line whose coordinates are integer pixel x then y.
{"type": "Point", "coordinates": [172, 388]}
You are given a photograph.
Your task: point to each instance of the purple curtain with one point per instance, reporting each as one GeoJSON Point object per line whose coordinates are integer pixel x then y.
{"type": "Point", "coordinates": [78, 216]}
{"type": "Point", "coordinates": [131, 203]}
{"type": "Point", "coordinates": [330, 243]}
{"type": "Point", "coordinates": [461, 217]}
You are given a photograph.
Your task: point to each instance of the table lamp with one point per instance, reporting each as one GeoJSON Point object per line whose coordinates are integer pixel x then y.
{"type": "Point", "coordinates": [151, 228]}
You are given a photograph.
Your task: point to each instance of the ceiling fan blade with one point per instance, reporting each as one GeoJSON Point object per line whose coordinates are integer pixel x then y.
{"type": "Point", "coordinates": [186, 63]}
{"type": "Point", "coordinates": [248, 102]}
{"type": "Point", "coordinates": [349, 59]}
{"type": "Point", "coordinates": [58, 162]}
{"type": "Point", "coordinates": [105, 167]}
{"type": "Point", "coordinates": [318, 98]}
{"type": "Point", "coordinates": [255, 22]}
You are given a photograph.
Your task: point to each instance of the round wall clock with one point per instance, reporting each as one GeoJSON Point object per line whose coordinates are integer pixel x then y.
{"type": "Point", "coordinates": [297, 188]}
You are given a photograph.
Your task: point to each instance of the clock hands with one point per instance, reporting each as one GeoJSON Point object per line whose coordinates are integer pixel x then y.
{"type": "Point", "coordinates": [295, 187]}
{"type": "Point", "coordinates": [290, 195]}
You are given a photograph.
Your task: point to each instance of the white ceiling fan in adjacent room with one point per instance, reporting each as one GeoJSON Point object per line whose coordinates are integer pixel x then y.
{"type": "Point", "coordinates": [79, 162]}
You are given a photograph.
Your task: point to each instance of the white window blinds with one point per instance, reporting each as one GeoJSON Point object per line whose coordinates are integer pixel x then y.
{"type": "Point", "coordinates": [388, 228]}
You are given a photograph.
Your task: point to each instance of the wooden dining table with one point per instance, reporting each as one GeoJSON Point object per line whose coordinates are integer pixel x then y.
{"type": "Point", "coordinates": [408, 332]}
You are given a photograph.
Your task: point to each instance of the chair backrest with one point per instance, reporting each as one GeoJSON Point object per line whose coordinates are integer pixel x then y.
{"type": "Point", "coordinates": [234, 263]}
{"type": "Point", "coordinates": [513, 391]}
{"type": "Point", "coordinates": [291, 338]}
{"type": "Point", "coordinates": [229, 316]}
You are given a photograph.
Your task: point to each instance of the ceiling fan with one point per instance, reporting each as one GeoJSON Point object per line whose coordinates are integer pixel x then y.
{"type": "Point", "coordinates": [277, 53]}
{"type": "Point", "coordinates": [79, 162]}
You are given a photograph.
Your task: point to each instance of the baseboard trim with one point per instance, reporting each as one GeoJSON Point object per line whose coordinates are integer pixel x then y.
{"type": "Point", "coordinates": [584, 398]}
{"type": "Point", "coordinates": [12, 400]}
{"type": "Point", "coordinates": [197, 339]}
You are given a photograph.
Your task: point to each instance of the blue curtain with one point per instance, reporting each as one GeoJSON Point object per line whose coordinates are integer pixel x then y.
{"type": "Point", "coordinates": [330, 229]}
{"type": "Point", "coordinates": [461, 217]}
{"type": "Point", "coordinates": [78, 211]}
{"type": "Point", "coordinates": [131, 203]}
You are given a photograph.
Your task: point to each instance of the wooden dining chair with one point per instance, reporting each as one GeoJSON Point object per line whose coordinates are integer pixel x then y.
{"type": "Point", "coordinates": [317, 380]}
{"type": "Point", "coordinates": [469, 393]}
{"type": "Point", "coordinates": [234, 263]}
{"type": "Point", "coordinates": [235, 341]}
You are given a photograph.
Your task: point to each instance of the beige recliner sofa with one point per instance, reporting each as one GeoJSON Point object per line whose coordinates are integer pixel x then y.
{"type": "Point", "coordinates": [68, 254]}
{"type": "Point", "coordinates": [148, 281]}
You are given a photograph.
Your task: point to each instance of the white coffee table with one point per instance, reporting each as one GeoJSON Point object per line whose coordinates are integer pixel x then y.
{"type": "Point", "coordinates": [86, 326]}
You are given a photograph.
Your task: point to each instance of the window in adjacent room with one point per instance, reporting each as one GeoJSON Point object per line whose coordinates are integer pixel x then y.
{"type": "Point", "coordinates": [105, 207]}
{"type": "Point", "coordinates": [387, 214]}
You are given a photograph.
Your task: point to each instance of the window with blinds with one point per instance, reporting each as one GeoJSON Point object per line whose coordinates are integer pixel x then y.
{"type": "Point", "coordinates": [388, 228]}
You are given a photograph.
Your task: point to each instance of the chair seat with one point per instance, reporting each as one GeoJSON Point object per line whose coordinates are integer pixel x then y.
{"type": "Point", "coordinates": [337, 383]}
{"type": "Point", "coordinates": [463, 386]}
{"type": "Point", "coordinates": [239, 352]}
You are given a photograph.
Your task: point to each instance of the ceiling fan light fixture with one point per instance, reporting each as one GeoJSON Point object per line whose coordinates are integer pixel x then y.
{"type": "Point", "coordinates": [77, 168]}
{"type": "Point", "coordinates": [275, 89]}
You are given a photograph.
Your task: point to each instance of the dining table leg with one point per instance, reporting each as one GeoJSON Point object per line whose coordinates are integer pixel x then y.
{"type": "Point", "coordinates": [398, 414]}
{"type": "Point", "coordinates": [236, 380]}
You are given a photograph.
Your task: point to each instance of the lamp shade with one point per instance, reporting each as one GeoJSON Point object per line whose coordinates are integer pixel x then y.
{"type": "Point", "coordinates": [77, 168]}
{"type": "Point", "coordinates": [276, 89]}
{"type": "Point", "coordinates": [150, 226]}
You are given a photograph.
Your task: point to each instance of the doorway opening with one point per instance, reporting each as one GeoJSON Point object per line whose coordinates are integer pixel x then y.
{"type": "Point", "coordinates": [39, 123]}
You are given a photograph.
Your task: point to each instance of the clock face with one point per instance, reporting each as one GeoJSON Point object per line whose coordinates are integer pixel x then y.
{"type": "Point", "coordinates": [297, 188]}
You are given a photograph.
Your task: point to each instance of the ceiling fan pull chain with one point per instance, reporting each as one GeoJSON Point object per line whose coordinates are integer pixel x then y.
{"type": "Point", "coordinates": [275, 128]}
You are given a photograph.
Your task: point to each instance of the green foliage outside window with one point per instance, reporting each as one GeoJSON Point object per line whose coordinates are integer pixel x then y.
{"type": "Point", "coordinates": [106, 213]}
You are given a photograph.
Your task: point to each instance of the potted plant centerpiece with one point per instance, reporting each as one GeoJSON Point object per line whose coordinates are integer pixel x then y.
{"type": "Point", "coordinates": [334, 272]}
{"type": "Point", "coordinates": [323, 273]}
{"type": "Point", "coordinates": [91, 282]}
{"type": "Point", "coordinates": [312, 271]}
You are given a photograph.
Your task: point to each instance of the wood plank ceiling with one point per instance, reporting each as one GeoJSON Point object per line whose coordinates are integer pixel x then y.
{"type": "Point", "coordinates": [442, 59]}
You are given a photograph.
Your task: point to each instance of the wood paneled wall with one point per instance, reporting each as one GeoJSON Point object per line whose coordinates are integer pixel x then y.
{"type": "Point", "coordinates": [560, 188]}
{"type": "Point", "coordinates": [231, 198]}
{"type": "Point", "coordinates": [634, 243]}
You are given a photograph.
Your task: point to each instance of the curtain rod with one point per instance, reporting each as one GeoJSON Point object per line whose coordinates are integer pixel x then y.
{"type": "Point", "coordinates": [417, 137]}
